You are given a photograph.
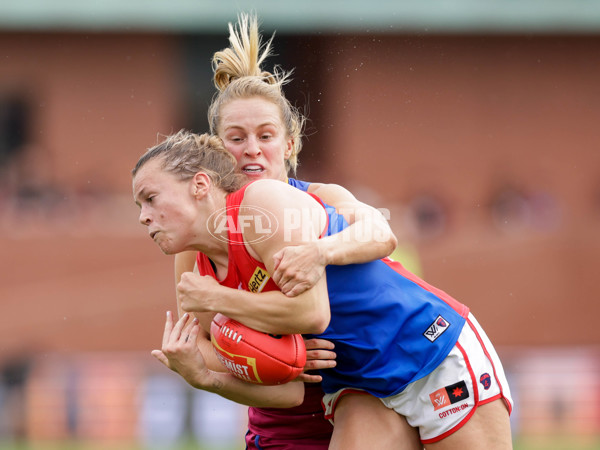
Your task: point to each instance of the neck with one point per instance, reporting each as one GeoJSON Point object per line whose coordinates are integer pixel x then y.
{"type": "Point", "coordinates": [214, 229]}
{"type": "Point", "coordinates": [210, 235]}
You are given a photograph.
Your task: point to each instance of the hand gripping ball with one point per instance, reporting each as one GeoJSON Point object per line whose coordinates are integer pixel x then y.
{"type": "Point", "coordinates": [255, 356]}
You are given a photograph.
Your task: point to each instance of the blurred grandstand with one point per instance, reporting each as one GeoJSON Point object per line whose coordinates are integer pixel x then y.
{"type": "Point", "coordinates": [475, 123]}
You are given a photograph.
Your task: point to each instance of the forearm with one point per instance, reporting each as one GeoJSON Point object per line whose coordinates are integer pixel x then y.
{"type": "Point", "coordinates": [273, 312]}
{"type": "Point", "coordinates": [367, 238]}
{"type": "Point", "coordinates": [181, 353]}
{"type": "Point", "coordinates": [208, 353]}
{"type": "Point", "coordinates": [361, 242]}
{"type": "Point", "coordinates": [234, 389]}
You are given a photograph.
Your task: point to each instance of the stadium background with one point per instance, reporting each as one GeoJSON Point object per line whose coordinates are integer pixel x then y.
{"type": "Point", "coordinates": [475, 124]}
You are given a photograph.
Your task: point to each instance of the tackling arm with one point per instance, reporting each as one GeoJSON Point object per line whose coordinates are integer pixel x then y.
{"type": "Point", "coordinates": [301, 220]}
{"type": "Point", "coordinates": [368, 237]}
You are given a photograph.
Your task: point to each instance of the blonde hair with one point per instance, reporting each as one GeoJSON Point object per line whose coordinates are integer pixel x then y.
{"type": "Point", "coordinates": [185, 154]}
{"type": "Point", "coordinates": [238, 74]}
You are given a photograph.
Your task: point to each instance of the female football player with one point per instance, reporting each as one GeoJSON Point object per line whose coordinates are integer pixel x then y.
{"type": "Point", "coordinates": [397, 339]}
{"type": "Point", "coordinates": [264, 133]}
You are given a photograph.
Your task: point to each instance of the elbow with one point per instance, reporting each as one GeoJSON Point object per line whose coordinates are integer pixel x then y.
{"type": "Point", "coordinates": [293, 400]}
{"type": "Point", "coordinates": [318, 323]}
{"type": "Point", "coordinates": [391, 244]}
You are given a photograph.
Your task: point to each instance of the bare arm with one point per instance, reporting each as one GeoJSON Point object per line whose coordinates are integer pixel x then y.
{"type": "Point", "coordinates": [181, 354]}
{"type": "Point", "coordinates": [368, 237]}
{"type": "Point", "coordinates": [300, 220]}
{"type": "Point", "coordinates": [320, 354]}
{"type": "Point", "coordinates": [269, 312]}
{"type": "Point", "coordinates": [186, 262]}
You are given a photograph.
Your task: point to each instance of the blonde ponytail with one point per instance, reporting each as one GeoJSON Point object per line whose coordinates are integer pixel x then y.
{"type": "Point", "coordinates": [238, 74]}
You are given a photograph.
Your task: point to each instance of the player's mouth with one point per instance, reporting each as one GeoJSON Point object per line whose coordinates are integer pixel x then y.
{"type": "Point", "coordinates": [253, 169]}
{"type": "Point", "coordinates": [153, 234]}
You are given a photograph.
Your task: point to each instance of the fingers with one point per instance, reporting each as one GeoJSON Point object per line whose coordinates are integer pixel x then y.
{"type": "Point", "coordinates": [158, 354]}
{"type": "Point", "coordinates": [296, 290]}
{"type": "Point", "coordinates": [183, 331]}
{"type": "Point", "coordinates": [277, 257]}
{"type": "Point", "coordinates": [176, 332]}
{"type": "Point", "coordinates": [293, 284]}
{"type": "Point", "coordinates": [319, 354]}
{"type": "Point", "coordinates": [319, 364]}
{"type": "Point", "coordinates": [168, 328]}
{"type": "Point", "coordinates": [315, 343]}
{"type": "Point", "coordinates": [194, 331]}
{"type": "Point", "coordinates": [309, 378]}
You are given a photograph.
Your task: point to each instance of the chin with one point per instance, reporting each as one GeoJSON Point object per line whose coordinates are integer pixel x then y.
{"type": "Point", "coordinates": [166, 249]}
{"type": "Point", "coordinates": [256, 176]}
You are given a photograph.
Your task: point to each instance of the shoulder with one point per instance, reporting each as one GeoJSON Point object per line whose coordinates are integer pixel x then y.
{"type": "Point", "coordinates": [299, 184]}
{"type": "Point", "coordinates": [269, 192]}
{"type": "Point", "coordinates": [331, 193]}
{"type": "Point", "coordinates": [284, 203]}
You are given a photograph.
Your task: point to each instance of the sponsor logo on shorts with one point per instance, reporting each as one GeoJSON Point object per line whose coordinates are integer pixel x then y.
{"type": "Point", "coordinates": [449, 395]}
{"type": "Point", "coordinates": [258, 280]}
{"type": "Point", "coordinates": [454, 410]}
{"type": "Point", "coordinates": [485, 380]}
{"type": "Point", "coordinates": [436, 329]}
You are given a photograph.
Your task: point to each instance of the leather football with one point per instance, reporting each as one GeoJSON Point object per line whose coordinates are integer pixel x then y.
{"type": "Point", "coordinates": [254, 356]}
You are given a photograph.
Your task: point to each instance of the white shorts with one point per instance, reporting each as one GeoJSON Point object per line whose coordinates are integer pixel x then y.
{"type": "Point", "coordinates": [443, 401]}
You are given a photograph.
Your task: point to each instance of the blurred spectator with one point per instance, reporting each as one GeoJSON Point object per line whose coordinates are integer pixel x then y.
{"type": "Point", "coordinates": [163, 411]}
{"type": "Point", "coordinates": [14, 376]}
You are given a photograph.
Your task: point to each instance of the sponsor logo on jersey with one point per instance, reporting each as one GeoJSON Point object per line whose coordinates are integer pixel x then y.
{"type": "Point", "coordinates": [485, 380]}
{"type": "Point", "coordinates": [258, 280]}
{"type": "Point", "coordinates": [449, 395]}
{"type": "Point", "coordinates": [436, 329]}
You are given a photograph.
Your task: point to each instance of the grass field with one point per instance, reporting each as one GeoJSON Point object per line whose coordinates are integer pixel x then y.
{"type": "Point", "coordinates": [522, 443]}
{"type": "Point", "coordinates": [78, 445]}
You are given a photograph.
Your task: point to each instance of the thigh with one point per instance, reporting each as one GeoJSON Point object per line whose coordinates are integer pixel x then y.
{"type": "Point", "coordinates": [488, 427]}
{"type": "Point", "coordinates": [363, 421]}
{"type": "Point", "coordinates": [447, 399]}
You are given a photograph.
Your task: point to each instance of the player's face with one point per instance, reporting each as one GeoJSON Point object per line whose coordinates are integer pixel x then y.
{"type": "Point", "coordinates": [166, 207]}
{"type": "Point", "coordinates": [253, 131]}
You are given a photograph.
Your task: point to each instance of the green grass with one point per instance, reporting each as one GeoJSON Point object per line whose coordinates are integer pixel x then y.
{"type": "Point", "coordinates": [80, 445]}
{"type": "Point", "coordinates": [557, 443]}
{"type": "Point", "coordinates": [521, 443]}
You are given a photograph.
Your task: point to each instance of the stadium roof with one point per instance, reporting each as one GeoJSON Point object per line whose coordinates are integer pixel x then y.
{"type": "Point", "coordinates": [305, 16]}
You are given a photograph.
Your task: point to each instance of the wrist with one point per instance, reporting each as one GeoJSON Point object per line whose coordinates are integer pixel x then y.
{"type": "Point", "coordinates": [325, 251]}
{"type": "Point", "coordinates": [204, 379]}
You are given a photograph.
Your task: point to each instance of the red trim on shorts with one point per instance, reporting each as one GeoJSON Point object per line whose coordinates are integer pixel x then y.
{"type": "Point", "coordinates": [491, 399]}
{"type": "Point", "coordinates": [500, 386]}
{"type": "Point", "coordinates": [475, 389]}
{"type": "Point", "coordinates": [475, 386]}
{"type": "Point", "coordinates": [342, 393]}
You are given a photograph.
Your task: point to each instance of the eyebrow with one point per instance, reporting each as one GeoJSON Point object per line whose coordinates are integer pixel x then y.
{"type": "Point", "coordinates": [140, 194]}
{"type": "Point", "coordinates": [242, 127]}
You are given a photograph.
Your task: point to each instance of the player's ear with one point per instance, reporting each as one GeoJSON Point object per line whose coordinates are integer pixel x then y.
{"type": "Point", "coordinates": [201, 183]}
{"type": "Point", "coordinates": [289, 149]}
